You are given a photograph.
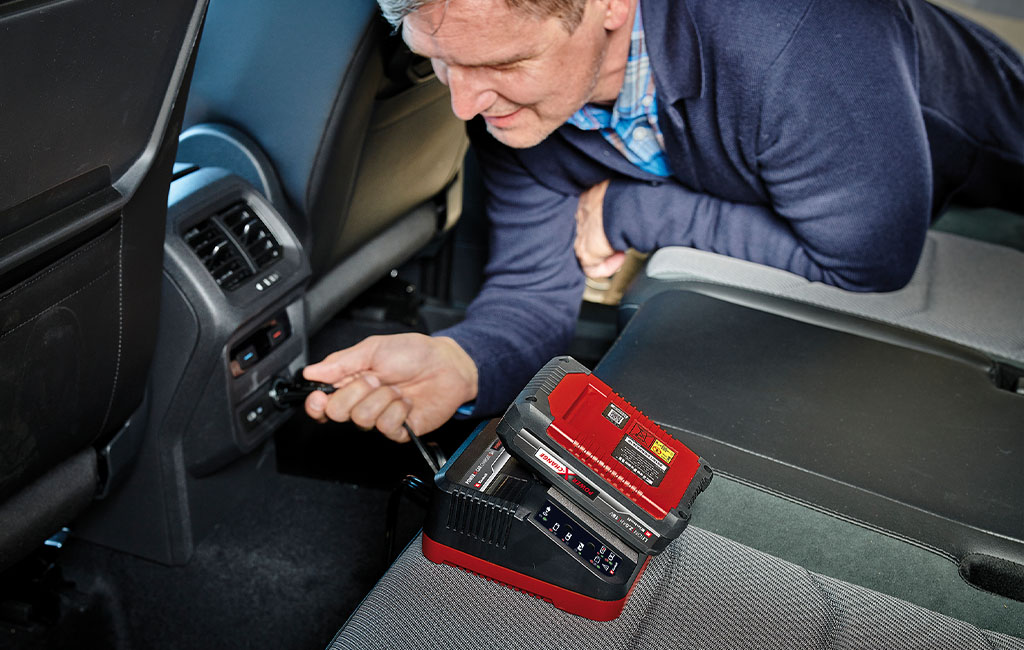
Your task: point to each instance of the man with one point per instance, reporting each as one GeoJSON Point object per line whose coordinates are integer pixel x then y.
{"type": "Point", "coordinates": [816, 136]}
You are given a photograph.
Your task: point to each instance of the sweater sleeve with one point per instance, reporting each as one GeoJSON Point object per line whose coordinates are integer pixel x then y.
{"type": "Point", "coordinates": [526, 311]}
{"type": "Point", "coordinates": [842, 153]}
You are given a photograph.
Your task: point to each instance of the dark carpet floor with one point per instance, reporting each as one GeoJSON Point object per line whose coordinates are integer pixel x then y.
{"type": "Point", "coordinates": [283, 572]}
{"type": "Point", "coordinates": [289, 565]}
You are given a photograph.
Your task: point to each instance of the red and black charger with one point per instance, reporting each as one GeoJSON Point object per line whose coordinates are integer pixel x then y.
{"type": "Point", "coordinates": [567, 497]}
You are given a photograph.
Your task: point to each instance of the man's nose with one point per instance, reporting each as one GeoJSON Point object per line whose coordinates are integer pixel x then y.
{"type": "Point", "coordinates": [470, 92]}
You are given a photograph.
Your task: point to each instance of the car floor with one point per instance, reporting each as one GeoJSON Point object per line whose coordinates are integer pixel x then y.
{"type": "Point", "coordinates": [292, 561]}
{"type": "Point", "coordinates": [284, 571]}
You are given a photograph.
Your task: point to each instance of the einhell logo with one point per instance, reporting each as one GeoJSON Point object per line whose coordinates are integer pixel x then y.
{"type": "Point", "coordinates": [559, 468]}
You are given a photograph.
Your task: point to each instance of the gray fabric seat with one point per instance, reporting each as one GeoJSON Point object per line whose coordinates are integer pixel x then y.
{"type": "Point", "coordinates": [965, 291]}
{"type": "Point", "coordinates": [705, 591]}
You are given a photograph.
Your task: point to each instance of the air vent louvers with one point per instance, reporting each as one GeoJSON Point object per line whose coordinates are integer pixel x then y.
{"type": "Point", "coordinates": [218, 253]}
{"type": "Point", "coordinates": [233, 245]}
{"type": "Point", "coordinates": [253, 235]}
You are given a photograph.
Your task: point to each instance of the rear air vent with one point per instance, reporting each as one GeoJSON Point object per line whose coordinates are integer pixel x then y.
{"type": "Point", "coordinates": [219, 254]}
{"type": "Point", "coordinates": [261, 247]}
{"type": "Point", "coordinates": [233, 245]}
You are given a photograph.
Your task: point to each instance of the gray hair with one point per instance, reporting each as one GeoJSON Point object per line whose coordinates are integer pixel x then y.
{"type": "Point", "coordinates": [569, 11]}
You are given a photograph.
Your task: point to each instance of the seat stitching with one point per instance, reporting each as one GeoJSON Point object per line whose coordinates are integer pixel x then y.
{"type": "Point", "coordinates": [56, 266]}
{"type": "Point", "coordinates": [645, 617]}
{"type": "Point", "coordinates": [64, 299]}
{"type": "Point", "coordinates": [120, 323]}
{"type": "Point", "coordinates": [833, 609]}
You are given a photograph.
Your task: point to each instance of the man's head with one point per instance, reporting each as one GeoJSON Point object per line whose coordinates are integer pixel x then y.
{"type": "Point", "coordinates": [570, 12]}
{"type": "Point", "coordinates": [525, 65]}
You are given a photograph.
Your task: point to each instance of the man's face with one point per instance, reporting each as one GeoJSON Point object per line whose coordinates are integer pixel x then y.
{"type": "Point", "coordinates": [525, 74]}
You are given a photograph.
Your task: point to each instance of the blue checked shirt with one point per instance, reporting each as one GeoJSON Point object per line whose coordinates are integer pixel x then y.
{"type": "Point", "coordinates": [631, 126]}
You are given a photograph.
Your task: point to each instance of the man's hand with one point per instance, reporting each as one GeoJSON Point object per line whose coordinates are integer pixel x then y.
{"type": "Point", "coordinates": [597, 257]}
{"type": "Point", "coordinates": [384, 381]}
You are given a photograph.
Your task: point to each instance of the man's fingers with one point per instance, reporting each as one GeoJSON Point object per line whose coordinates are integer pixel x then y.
{"type": "Point", "coordinates": [341, 402]}
{"type": "Point", "coordinates": [606, 267]}
{"type": "Point", "coordinates": [591, 244]}
{"type": "Point", "coordinates": [431, 376]}
{"type": "Point", "coordinates": [364, 402]}
{"type": "Point", "coordinates": [591, 252]}
{"type": "Point", "coordinates": [582, 252]}
{"type": "Point", "coordinates": [316, 402]}
{"type": "Point", "coordinates": [338, 365]}
{"type": "Point", "coordinates": [390, 421]}
{"type": "Point", "coordinates": [367, 411]}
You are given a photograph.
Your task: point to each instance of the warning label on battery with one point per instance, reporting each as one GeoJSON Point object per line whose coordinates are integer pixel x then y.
{"type": "Point", "coordinates": [663, 451]}
{"type": "Point", "coordinates": [640, 461]}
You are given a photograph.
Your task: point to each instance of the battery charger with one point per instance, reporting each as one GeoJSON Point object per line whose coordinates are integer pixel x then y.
{"type": "Point", "coordinates": [567, 497]}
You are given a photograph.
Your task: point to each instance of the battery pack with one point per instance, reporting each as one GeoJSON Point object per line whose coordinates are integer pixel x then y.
{"type": "Point", "coordinates": [604, 455]}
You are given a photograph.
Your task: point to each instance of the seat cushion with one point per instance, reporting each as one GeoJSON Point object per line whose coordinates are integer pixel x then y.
{"type": "Point", "coordinates": [704, 591]}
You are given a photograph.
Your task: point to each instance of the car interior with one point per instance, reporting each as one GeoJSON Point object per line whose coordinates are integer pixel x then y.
{"type": "Point", "coordinates": [200, 198]}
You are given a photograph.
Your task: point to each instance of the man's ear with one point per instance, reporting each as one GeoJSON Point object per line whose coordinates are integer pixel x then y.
{"type": "Point", "coordinates": [617, 13]}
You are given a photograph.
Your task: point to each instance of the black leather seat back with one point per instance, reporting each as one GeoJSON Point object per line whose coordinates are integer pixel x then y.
{"type": "Point", "coordinates": [89, 117]}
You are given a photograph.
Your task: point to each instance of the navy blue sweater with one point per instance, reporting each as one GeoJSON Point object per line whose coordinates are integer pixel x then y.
{"type": "Point", "coordinates": [817, 136]}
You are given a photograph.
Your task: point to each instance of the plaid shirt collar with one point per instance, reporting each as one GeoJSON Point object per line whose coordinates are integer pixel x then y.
{"type": "Point", "coordinates": [631, 126]}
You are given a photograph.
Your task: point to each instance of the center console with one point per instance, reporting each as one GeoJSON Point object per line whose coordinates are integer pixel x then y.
{"type": "Point", "coordinates": [232, 321]}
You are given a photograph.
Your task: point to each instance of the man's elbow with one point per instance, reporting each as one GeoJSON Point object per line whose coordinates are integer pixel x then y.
{"type": "Point", "coordinates": [879, 279]}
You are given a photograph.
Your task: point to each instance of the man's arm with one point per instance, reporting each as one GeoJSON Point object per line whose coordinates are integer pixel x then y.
{"type": "Point", "coordinates": [526, 311]}
{"type": "Point", "coordinates": [524, 315]}
{"type": "Point", "coordinates": [843, 155]}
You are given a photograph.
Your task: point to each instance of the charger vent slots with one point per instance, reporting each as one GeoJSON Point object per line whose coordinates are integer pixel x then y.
{"type": "Point", "coordinates": [233, 245]}
{"type": "Point", "coordinates": [487, 518]}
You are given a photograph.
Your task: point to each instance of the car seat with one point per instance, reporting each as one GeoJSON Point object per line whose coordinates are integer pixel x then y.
{"type": "Point", "coordinates": [358, 131]}
{"type": "Point", "coordinates": [92, 104]}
